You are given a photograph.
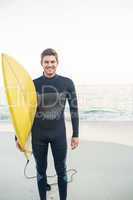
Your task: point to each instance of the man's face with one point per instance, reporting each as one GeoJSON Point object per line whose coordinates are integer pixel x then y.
{"type": "Point", "coordinates": [49, 64]}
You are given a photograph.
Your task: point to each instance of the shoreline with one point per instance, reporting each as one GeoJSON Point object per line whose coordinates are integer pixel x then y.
{"type": "Point", "coordinates": [102, 131]}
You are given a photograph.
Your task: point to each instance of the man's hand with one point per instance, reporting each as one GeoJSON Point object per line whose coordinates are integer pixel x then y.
{"type": "Point", "coordinates": [74, 142]}
{"type": "Point", "coordinates": [19, 147]}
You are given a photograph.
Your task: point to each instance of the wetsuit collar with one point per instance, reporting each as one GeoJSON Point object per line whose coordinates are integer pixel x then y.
{"type": "Point", "coordinates": [49, 78]}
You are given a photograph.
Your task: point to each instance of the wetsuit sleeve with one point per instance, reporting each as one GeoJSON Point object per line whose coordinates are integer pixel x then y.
{"type": "Point", "coordinates": [73, 105]}
{"type": "Point", "coordinates": [35, 84]}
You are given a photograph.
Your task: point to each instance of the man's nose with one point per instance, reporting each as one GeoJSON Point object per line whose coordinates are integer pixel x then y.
{"type": "Point", "coordinates": [49, 64]}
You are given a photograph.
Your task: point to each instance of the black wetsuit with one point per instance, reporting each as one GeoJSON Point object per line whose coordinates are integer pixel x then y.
{"type": "Point", "coordinates": [49, 128]}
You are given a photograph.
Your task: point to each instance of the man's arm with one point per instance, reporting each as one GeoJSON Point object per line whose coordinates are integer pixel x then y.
{"type": "Point", "coordinates": [73, 105]}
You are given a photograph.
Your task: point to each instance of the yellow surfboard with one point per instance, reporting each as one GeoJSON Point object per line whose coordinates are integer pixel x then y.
{"type": "Point", "coordinates": [21, 97]}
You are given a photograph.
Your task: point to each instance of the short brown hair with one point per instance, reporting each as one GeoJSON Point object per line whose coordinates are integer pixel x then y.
{"type": "Point", "coordinates": [49, 52]}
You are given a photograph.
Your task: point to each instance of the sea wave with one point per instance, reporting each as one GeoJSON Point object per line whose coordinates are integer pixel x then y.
{"type": "Point", "coordinates": [105, 114]}
{"type": "Point", "coordinates": [93, 114]}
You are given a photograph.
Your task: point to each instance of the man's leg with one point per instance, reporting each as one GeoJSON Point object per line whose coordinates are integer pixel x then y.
{"type": "Point", "coordinates": [59, 151]}
{"type": "Point", "coordinates": [40, 154]}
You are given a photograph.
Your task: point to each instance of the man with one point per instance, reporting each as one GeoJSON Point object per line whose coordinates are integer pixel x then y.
{"type": "Point", "coordinates": [49, 124]}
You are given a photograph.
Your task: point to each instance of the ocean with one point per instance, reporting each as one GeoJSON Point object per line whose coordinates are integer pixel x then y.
{"type": "Point", "coordinates": [96, 103]}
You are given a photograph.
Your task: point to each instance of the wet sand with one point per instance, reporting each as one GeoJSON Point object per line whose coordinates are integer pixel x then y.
{"type": "Point", "coordinates": [104, 162]}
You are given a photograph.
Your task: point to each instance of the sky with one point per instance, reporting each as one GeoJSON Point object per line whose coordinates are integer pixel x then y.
{"type": "Point", "coordinates": [94, 39]}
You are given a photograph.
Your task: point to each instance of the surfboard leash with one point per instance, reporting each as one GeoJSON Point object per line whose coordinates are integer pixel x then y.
{"type": "Point", "coordinates": [52, 176]}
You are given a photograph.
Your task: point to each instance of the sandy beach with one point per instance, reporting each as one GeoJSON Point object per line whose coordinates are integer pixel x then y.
{"type": "Point", "coordinates": [104, 163]}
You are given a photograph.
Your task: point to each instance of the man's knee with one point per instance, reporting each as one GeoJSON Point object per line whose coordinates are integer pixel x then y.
{"type": "Point", "coordinates": [40, 176]}
{"type": "Point", "coordinates": [41, 173]}
{"type": "Point", "coordinates": [61, 171]}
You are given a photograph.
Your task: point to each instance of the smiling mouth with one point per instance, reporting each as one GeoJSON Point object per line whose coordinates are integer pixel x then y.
{"type": "Point", "coordinates": [50, 67]}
